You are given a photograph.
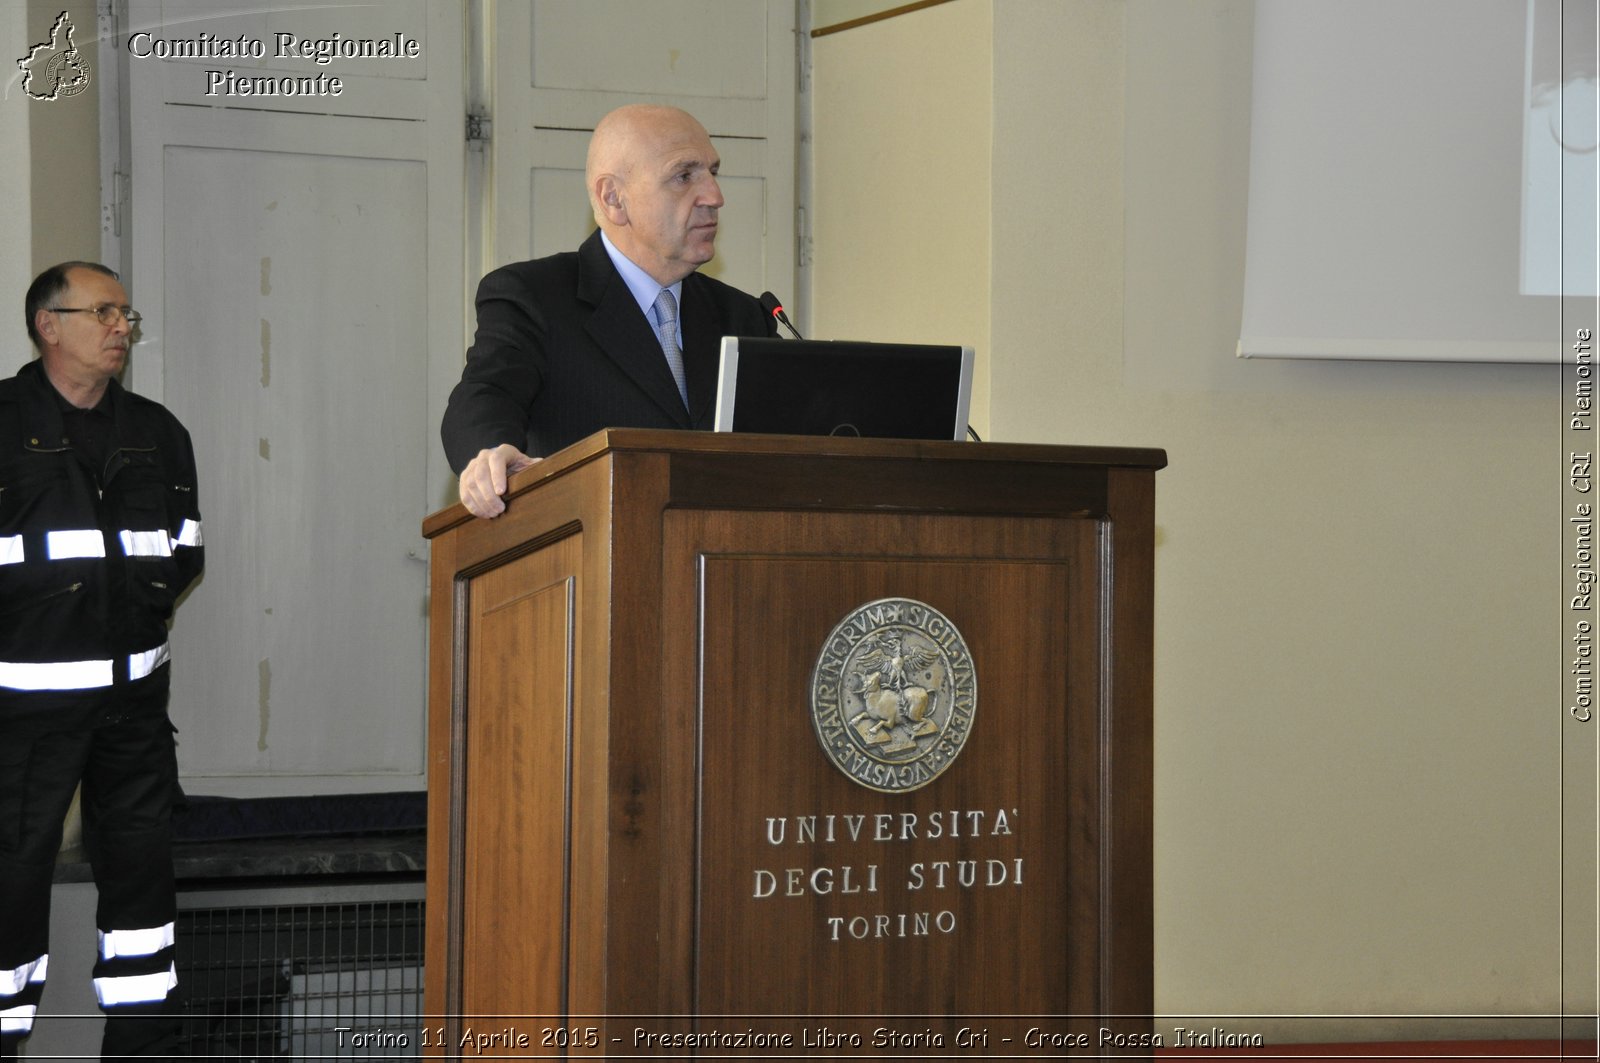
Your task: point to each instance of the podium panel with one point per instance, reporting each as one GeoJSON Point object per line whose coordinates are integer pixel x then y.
{"type": "Point", "coordinates": [514, 876]}
{"type": "Point", "coordinates": [944, 891]}
{"type": "Point", "coordinates": [844, 742]}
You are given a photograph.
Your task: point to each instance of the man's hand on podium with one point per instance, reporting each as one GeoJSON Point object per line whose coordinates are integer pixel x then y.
{"type": "Point", "coordinates": [483, 481]}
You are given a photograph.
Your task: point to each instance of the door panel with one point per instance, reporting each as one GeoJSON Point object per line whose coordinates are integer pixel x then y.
{"type": "Point", "coordinates": [298, 261]}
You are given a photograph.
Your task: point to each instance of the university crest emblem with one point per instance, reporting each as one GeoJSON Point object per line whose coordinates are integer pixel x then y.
{"type": "Point", "coordinates": [893, 694]}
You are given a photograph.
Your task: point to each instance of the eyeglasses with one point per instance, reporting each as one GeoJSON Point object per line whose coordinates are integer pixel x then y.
{"type": "Point", "coordinates": [106, 313]}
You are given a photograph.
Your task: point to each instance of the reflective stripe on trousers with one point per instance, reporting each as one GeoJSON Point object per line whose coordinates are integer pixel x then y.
{"type": "Point", "coordinates": [18, 1020]}
{"type": "Point", "coordinates": [136, 988]}
{"type": "Point", "coordinates": [12, 982]}
{"type": "Point", "coordinates": [114, 943]}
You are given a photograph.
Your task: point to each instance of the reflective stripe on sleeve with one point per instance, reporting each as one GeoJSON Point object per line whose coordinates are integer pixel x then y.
{"type": "Point", "coordinates": [136, 988]}
{"type": "Point", "coordinates": [146, 543]}
{"type": "Point", "coordinates": [189, 534]}
{"type": "Point", "coordinates": [142, 664]}
{"type": "Point", "coordinates": [81, 542]}
{"type": "Point", "coordinates": [12, 981]}
{"type": "Point", "coordinates": [11, 550]}
{"type": "Point", "coordinates": [18, 1020]}
{"type": "Point", "coordinates": [78, 675]}
{"type": "Point", "coordinates": [114, 943]}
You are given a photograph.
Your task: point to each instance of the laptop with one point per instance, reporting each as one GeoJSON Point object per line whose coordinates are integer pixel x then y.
{"type": "Point", "coordinates": [843, 388]}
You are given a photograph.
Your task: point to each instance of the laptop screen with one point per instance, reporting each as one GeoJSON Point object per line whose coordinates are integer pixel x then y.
{"type": "Point", "coordinates": [841, 387]}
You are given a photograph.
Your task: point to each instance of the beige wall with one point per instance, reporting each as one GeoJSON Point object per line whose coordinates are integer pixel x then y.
{"type": "Point", "coordinates": [64, 149]}
{"type": "Point", "coordinates": [16, 220]}
{"type": "Point", "coordinates": [1358, 707]}
{"type": "Point", "coordinates": [825, 13]}
{"type": "Point", "coordinates": [49, 168]}
{"type": "Point", "coordinates": [901, 114]}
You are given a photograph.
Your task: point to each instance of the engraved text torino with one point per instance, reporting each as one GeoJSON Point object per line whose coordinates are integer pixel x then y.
{"type": "Point", "coordinates": [868, 879]}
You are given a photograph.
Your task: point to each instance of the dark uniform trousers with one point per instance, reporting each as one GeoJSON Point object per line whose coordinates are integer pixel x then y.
{"type": "Point", "coordinates": [125, 756]}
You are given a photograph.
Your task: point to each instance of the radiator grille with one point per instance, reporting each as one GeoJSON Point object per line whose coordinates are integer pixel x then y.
{"type": "Point", "coordinates": [324, 979]}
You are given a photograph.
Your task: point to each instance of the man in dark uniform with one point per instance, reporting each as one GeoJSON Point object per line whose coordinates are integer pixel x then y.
{"type": "Point", "coordinates": [621, 333]}
{"type": "Point", "coordinates": [99, 535]}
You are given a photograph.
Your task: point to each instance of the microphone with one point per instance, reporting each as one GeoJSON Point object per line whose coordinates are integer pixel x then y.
{"type": "Point", "coordinates": [770, 304]}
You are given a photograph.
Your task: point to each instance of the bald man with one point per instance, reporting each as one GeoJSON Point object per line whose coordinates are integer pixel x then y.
{"type": "Point", "coordinates": [620, 333]}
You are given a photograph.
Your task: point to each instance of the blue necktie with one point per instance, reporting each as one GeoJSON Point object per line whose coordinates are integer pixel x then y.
{"type": "Point", "coordinates": [667, 315]}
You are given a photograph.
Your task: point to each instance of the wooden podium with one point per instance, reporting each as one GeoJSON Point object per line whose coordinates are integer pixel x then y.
{"type": "Point", "coordinates": [734, 738]}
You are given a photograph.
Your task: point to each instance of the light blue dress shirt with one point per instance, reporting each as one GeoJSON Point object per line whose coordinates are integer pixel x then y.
{"type": "Point", "coordinates": [644, 287]}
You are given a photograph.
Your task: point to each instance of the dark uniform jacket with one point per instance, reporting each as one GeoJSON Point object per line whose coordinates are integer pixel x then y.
{"type": "Point", "coordinates": [562, 350]}
{"type": "Point", "coordinates": [93, 553]}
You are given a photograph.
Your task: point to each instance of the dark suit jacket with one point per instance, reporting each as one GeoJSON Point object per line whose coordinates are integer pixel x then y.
{"type": "Point", "coordinates": [562, 350]}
